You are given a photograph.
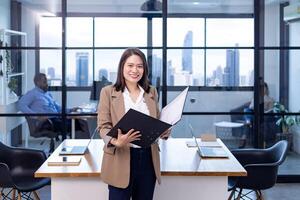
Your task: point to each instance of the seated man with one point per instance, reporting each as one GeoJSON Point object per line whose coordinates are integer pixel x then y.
{"type": "Point", "coordinates": [39, 100]}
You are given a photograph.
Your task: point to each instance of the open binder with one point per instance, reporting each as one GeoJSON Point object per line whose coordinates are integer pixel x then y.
{"type": "Point", "coordinates": [151, 128]}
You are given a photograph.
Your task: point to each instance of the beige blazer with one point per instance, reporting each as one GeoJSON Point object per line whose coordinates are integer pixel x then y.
{"type": "Point", "coordinates": [115, 168]}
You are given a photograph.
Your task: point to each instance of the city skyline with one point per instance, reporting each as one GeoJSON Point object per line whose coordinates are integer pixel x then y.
{"type": "Point", "coordinates": [184, 66]}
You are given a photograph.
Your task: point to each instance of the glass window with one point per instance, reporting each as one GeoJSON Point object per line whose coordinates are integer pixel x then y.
{"type": "Point", "coordinates": [50, 64]}
{"type": "Point", "coordinates": [185, 32]}
{"type": "Point", "coordinates": [50, 32]}
{"type": "Point", "coordinates": [230, 67]}
{"type": "Point", "coordinates": [79, 32]}
{"type": "Point", "coordinates": [230, 32]}
{"type": "Point", "coordinates": [156, 68]}
{"type": "Point", "coordinates": [214, 101]}
{"type": "Point", "coordinates": [120, 32]}
{"type": "Point", "coordinates": [106, 64]}
{"type": "Point", "coordinates": [185, 67]}
{"type": "Point", "coordinates": [157, 32]}
{"type": "Point", "coordinates": [79, 67]}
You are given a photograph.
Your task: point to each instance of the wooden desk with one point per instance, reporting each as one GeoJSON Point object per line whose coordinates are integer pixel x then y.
{"type": "Point", "coordinates": [184, 174]}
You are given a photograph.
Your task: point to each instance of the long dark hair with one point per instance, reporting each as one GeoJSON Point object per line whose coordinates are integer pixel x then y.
{"type": "Point", "coordinates": [144, 82]}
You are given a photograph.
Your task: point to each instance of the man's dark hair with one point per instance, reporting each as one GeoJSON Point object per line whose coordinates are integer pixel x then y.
{"type": "Point", "coordinates": [144, 82]}
{"type": "Point", "coordinates": [38, 77]}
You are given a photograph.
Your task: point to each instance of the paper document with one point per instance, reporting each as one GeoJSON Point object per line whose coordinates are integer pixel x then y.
{"type": "Point", "coordinates": [172, 112]}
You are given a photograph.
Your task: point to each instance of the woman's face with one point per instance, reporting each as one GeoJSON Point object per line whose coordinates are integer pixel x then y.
{"type": "Point", "coordinates": [133, 69]}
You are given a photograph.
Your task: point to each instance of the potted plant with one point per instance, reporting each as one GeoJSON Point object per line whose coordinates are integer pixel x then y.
{"type": "Point", "coordinates": [13, 86]}
{"type": "Point", "coordinates": [285, 122]}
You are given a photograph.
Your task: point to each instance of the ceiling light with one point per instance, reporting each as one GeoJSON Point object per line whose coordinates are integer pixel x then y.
{"type": "Point", "coordinates": [151, 5]}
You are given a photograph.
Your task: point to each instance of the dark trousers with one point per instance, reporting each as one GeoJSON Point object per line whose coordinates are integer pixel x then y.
{"type": "Point", "coordinates": [142, 177]}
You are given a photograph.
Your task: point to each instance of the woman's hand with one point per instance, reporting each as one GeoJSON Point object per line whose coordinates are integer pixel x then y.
{"type": "Point", "coordinates": [166, 134]}
{"type": "Point", "coordinates": [125, 139]}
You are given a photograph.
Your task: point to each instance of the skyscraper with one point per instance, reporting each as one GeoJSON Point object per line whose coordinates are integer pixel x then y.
{"type": "Point", "coordinates": [170, 73]}
{"type": "Point", "coordinates": [232, 69]}
{"type": "Point", "coordinates": [103, 73]}
{"type": "Point", "coordinates": [187, 63]}
{"type": "Point", "coordinates": [156, 69]}
{"type": "Point", "coordinates": [217, 76]}
{"type": "Point", "coordinates": [51, 72]}
{"type": "Point", "coordinates": [82, 70]}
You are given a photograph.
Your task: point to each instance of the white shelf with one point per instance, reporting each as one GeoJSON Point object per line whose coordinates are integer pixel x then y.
{"type": "Point", "coordinates": [5, 95]}
{"type": "Point", "coordinates": [16, 74]}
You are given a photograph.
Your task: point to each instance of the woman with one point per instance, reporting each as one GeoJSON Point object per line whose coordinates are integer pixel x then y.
{"type": "Point", "coordinates": [129, 171]}
{"type": "Point", "coordinates": [268, 101]}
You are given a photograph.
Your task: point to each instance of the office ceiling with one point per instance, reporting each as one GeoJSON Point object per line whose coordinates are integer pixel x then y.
{"type": "Point", "coordinates": [94, 6]}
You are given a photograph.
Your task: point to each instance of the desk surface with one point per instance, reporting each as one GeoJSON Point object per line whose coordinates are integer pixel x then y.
{"type": "Point", "coordinates": [176, 160]}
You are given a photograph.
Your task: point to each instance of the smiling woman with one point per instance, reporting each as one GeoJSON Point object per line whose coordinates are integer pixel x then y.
{"type": "Point", "coordinates": [126, 166]}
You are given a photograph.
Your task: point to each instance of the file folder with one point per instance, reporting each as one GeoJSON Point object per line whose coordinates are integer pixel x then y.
{"type": "Point", "coordinates": [150, 128]}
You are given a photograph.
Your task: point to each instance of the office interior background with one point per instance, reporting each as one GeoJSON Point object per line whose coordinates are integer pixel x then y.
{"type": "Point", "coordinates": [223, 49]}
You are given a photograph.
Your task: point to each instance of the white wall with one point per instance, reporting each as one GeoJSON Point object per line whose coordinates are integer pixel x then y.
{"type": "Point", "coordinates": [294, 81]}
{"type": "Point", "coordinates": [294, 68]}
{"type": "Point", "coordinates": [5, 14]}
{"type": "Point", "coordinates": [272, 56]}
{"type": "Point", "coordinates": [28, 25]}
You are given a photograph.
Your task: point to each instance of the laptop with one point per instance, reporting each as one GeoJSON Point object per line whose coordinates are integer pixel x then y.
{"type": "Point", "coordinates": [77, 150]}
{"type": "Point", "coordinates": [172, 112]}
{"type": "Point", "coordinates": [208, 151]}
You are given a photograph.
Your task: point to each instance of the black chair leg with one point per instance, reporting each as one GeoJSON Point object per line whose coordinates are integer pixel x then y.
{"type": "Point", "coordinates": [240, 194]}
{"type": "Point", "coordinates": [231, 194]}
{"type": "Point", "coordinates": [258, 194]}
{"type": "Point", "coordinates": [51, 145]}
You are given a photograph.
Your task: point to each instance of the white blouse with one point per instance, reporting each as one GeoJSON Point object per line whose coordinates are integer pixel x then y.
{"type": "Point", "coordinates": [140, 104]}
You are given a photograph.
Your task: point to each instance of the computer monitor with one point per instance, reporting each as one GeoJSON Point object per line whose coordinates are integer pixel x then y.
{"type": "Point", "coordinates": [96, 88]}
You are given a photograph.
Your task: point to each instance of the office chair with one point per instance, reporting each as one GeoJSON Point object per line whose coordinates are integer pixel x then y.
{"type": "Point", "coordinates": [45, 128]}
{"type": "Point", "coordinates": [261, 166]}
{"type": "Point", "coordinates": [17, 168]}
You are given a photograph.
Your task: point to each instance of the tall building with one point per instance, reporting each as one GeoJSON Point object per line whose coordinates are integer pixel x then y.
{"type": "Point", "coordinates": [225, 78]}
{"type": "Point", "coordinates": [156, 69]}
{"type": "Point", "coordinates": [51, 72]}
{"type": "Point", "coordinates": [103, 74]}
{"type": "Point", "coordinates": [232, 69]}
{"type": "Point", "coordinates": [82, 68]}
{"type": "Point", "coordinates": [251, 78]}
{"type": "Point", "coordinates": [217, 77]}
{"type": "Point", "coordinates": [187, 54]}
{"type": "Point", "coordinates": [170, 73]}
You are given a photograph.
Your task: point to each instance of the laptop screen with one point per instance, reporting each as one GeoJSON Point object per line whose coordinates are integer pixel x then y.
{"type": "Point", "coordinates": [195, 139]}
{"type": "Point", "coordinates": [92, 136]}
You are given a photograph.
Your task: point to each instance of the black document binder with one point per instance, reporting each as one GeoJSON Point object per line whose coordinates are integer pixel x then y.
{"type": "Point", "coordinates": [150, 128]}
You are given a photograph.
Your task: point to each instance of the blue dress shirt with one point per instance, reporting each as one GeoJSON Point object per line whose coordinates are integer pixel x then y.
{"type": "Point", "coordinates": [38, 101]}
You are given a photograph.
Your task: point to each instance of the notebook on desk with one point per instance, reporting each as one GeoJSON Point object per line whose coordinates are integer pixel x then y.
{"type": "Point", "coordinates": [208, 151]}
{"type": "Point", "coordinates": [77, 150]}
{"type": "Point", "coordinates": [64, 161]}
